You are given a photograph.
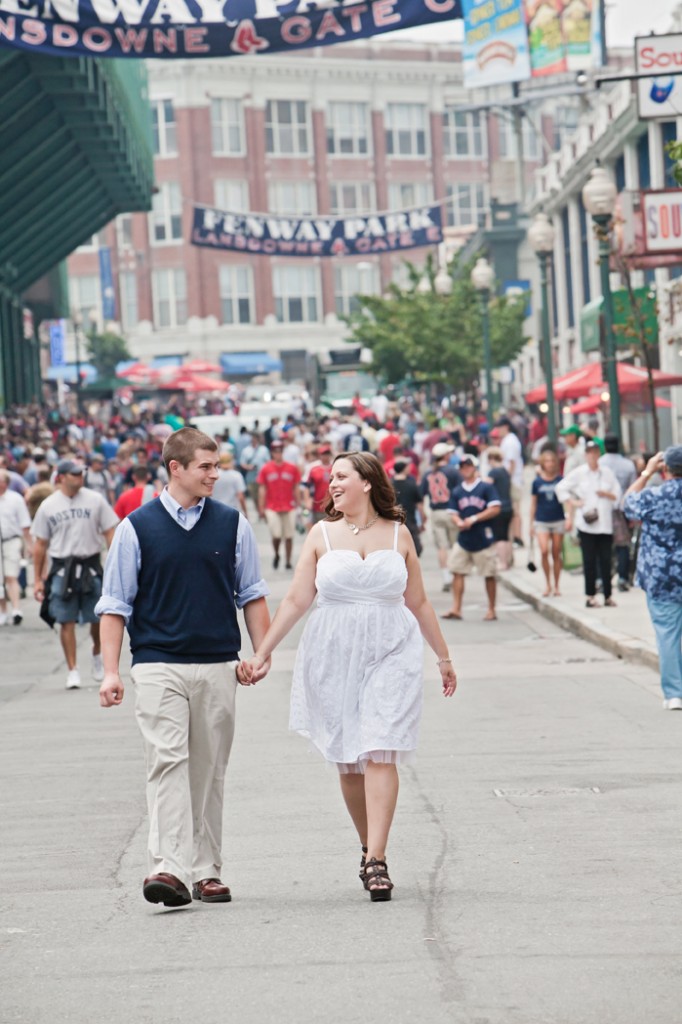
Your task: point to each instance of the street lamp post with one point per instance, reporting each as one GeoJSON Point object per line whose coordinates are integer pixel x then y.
{"type": "Point", "coordinates": [599, 199]}
{"type": "Point", "coordinates": [77, 321]}
{"type": "Point", "coordinates": [483, 278]}
{"type": "Point", "coordinates": [541, 237]}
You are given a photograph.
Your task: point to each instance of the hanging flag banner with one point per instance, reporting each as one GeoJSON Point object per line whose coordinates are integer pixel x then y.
{"type": "Point", "coordinates": [204, 28]}
{"type": "Point", "coordinates": [106, 284]}
{"type": "Point", "coordinates": [495, 47]}
{"type": "Point", "coordinates": [266, 235]}
{"type": "Point", "coordinates": [546, 36]}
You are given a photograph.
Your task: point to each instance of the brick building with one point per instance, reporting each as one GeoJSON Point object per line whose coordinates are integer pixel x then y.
{"type": "Point", "coordinates": [349, 129]}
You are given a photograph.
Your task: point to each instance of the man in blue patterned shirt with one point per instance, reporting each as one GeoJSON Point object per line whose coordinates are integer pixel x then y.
{"type": "Point", "coordinates": [659, 565]}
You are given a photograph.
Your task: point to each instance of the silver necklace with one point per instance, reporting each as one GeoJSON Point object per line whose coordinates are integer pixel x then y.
{"type": "Point", "coordinates": [356, 529]}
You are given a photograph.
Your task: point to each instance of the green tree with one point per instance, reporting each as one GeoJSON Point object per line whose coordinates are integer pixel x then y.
{"type": "Point", "coordinates": [419, 333]}
{"type": "Point", "coordinates": [105, 352]}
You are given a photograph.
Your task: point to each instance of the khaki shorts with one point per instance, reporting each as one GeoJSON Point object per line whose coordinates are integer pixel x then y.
{"type": "Point", "coordinates": [462, 563]}
{"type": "Point", "coordinates": [11, 557]}
{"type": "Point", "coordinates": [516, 496]}
{"type": "Point", "coordinates": [280, 524]}
{"type": "Point", "coordinates": [558, 526]}
{"type": "Point", "coordinates": [445, 533]}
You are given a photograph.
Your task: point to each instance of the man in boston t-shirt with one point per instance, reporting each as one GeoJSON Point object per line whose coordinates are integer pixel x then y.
{"type": "Point", "coordinates": [472, 505]}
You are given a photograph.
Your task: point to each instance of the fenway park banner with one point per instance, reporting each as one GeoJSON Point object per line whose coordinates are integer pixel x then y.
{"type": "Point", "coordinates": [316, 236]}
{"type": "Point", "coordinates": [204, 28]}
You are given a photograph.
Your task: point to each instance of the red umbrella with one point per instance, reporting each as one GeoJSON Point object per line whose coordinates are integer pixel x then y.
{"type": "Point", "coordinates": [588, 379]}
{"type": "Point", "coordinates": [592, 404]}
{"type": "Point", "coordinates": [201, 366]}
{"type": "Point", "coordinates": [192, 383]}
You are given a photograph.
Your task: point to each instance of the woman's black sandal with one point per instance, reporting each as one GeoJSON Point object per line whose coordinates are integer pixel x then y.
{"type": "Point", "coordinates": [376, 873]}
{"type": "Point", "coordinates": [363, 860]}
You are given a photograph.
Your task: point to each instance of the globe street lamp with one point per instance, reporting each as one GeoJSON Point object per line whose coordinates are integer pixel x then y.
{"type": "Point", "coordinates": [483, 279]}
{"type": "Point", "coordinates": [599, 199]}
{"type": "Point", "coordinates": [541, 237]}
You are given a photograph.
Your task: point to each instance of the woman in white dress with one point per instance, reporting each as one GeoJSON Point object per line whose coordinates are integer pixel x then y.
{"type": "Point", "coordinates": [357, 687]}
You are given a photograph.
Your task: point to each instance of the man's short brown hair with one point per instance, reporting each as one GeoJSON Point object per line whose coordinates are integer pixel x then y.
{"type": "Point", "coordinates": [181, 446]}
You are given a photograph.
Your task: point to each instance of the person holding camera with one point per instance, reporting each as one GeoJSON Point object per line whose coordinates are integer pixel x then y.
{"type": "Point", "coordinates": [590, 493]}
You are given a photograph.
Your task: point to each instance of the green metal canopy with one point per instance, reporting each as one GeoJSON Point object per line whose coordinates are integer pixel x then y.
{"type": "Point", "coordinates": [76, 150]}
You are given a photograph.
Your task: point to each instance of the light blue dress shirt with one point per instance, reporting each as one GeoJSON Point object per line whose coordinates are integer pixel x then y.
{"type": "Point", "coordinates": [124, 561]}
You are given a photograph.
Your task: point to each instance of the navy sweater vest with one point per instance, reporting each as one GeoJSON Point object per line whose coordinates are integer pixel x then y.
{"type": "Point", "coordinates": [184, 610]}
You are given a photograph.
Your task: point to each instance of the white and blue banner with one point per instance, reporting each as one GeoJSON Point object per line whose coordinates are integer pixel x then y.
{"type": "Point", "coordinates": [204, 28]}
{"type": "Point", "coordinates": [57, 342]}
{"type": "Point", "coordinates": [266, 235]}
{"type": "Point", "coordinates": [106, 284]}
{"type": "Point", "coordinates": [495, 43]}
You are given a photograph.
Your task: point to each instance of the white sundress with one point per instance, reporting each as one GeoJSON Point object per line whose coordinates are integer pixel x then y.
{"type": "Point", "coordinates": [357, 686]}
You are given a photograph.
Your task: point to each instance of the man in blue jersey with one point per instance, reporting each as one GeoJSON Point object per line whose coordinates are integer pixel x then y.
{"type": "Point", "coordinates": [472, 504]}
{"type": "Point", "coordinates": [178, 569]}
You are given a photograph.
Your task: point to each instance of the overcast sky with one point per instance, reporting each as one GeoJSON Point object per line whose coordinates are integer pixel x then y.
{"type": "Point", "coordinates": [625, 20]}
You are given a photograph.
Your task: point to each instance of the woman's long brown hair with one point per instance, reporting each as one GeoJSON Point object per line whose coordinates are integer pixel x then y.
{"type": "Point", "coordinates": [382, 495]}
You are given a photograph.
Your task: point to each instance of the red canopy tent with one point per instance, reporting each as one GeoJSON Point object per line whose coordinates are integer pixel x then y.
{"type": "Point", "coordinates": [588, 379]}
{"type": "Point", "coordinates": [592, 404]}
{"type": "Point", "coordinates": [201, 366]}
{"type": "Point", "coordinates": [191, 383]}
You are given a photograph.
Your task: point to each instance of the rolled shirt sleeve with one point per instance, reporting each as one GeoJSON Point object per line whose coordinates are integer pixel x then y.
{"type": "Point", "coordinates": [249, 584]}
{"type": "Point", "coordinates": [121, 569]}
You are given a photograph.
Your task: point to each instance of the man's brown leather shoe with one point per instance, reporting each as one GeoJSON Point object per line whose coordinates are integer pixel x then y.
{"type": "Point", "coordinates": [211, 890]}
{"type": "Point", "coordinates": [166, 889]}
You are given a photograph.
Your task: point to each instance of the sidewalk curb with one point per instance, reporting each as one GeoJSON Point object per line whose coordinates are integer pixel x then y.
{"type": "Point", "coordinates": [618, 644]}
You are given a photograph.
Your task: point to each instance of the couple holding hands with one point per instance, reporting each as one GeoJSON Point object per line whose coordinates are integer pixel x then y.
{"type": "Point", "coordinates": [179, 568]}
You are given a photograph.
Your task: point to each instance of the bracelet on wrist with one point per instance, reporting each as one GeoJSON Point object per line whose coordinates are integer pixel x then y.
{"type": "Point", "coordinates": [443, 661]}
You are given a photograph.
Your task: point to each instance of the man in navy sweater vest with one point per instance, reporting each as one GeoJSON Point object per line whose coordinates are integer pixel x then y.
{"type": "Point", "coordinates": [178, 569]}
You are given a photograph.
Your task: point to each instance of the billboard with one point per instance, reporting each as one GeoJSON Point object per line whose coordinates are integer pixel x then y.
{"type": "Point", "coordinates": [662, 215]}
{"type": "Point", "coordinates": [495, 48]}
{"type": "Point", "coordinates": [630, 237]}
{"type": "Point", "coordinates": [660, 95]}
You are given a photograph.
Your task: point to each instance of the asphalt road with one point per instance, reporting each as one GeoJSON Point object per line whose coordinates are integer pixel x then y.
{"type": "Point", "coordinates": [534, 852]}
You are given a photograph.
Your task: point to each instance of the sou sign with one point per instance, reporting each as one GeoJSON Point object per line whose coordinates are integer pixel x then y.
{"type": "Point", "coordinates": [663, 221]}
{"type": "Point", "coordinates": [661, 95]}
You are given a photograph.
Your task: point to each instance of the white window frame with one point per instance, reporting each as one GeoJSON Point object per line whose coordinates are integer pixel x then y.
{"type": "Point", "coordinates": [407, 131]}
{"type": "Point", "coordinates": [235, 282]}
{"type": "Point", "coordinates": [176, 297]}
{"type": "Point", "coordinates": [94, 243]}
{"type": "Point", "coordinates": [349, 129]}
{"type": "Point", "coordinates": [532, 144]}
{"type": "Point", "coordinates": [359, 203]}
{"type": "Point", "coordinates": [464, 135]}
{"type": "Point", "coordinates": [464, 196]}
{"type": "Point", "coordinates": [296, 197]}
{"type": "Point", "coordinates": [165, 130]}
{"type": "Point", "coordinates": [128, 299]}
{"type": "Point", "coordinates": [351, 280]}
{"type": "Point", "coordinates": [231, 195]}
{"type": "Point", "coordinates": [124, 226]}
{"type": "Point", "coordinates": [277, 130]}
{"type": "Point", "coordinates": [286, 291]}
{"type": "Point", "coordinates": [228, 130]}
{"type": "Point", "coordinates": [406, 195]}
{"type": "Point", "coordinates": [167, 214]}
{"type": "Point", "coordinates": [84, 298]}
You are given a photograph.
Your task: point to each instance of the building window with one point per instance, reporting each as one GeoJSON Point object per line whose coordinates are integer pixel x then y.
{"type": "Point", "coordinates": [127, 292]}
{"type": "Point", "coordinates": [464, 135]}
{"type": "Point", "coordinates": [406, 195]}
{"type": "Point", "coordinates": [292, 198]}
{"type": "Point", "coordinates": [287, 129]}
{"type": "Point", "coordinates": [347, 197]}
{"type": "Point", "coordinates": [351, 280]}
{"type": "Point", "coordinates": [94, 243]}
{"type": "Point", "coordinates": [163, 124]}
{"type": "Point", "coordinates": [296, 294]}
{"type": "Point", "coordinates": [124, 231]}
{"type": "Point", "coordinates": [406, 129]}
{"type": "Point", "coordinates": [169, 297]}
{"type": "Point", "coordinates": [348, 131]}
{"type": "Point", "coordinates": [227, 127]}
{"type": "Point", "coordinates": [84, 300]}
{"type": "Point", "coordinates": [467, 205]}
{"type": "Point", "coordinates": [231, 195]}
{"type": "Point", "coordinates": [166, 215]}
{"type": "Point", "coordinates": [236, 294]}
{"type": "Point", "coordinates": [565, 124]}
{"type": "Point", "coordinates": [532, 145]}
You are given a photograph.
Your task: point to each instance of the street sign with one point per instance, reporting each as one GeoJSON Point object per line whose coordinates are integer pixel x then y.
{"type": "Point", "coordinates": [662, 215]}
{"type": "Point", "coordinates": [661, 95]}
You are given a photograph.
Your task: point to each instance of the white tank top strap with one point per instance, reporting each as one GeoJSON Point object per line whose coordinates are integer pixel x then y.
{"type": "Point", "coordinates": [395, 535]}
{"type": "Point", "coordinates": [325, 535]}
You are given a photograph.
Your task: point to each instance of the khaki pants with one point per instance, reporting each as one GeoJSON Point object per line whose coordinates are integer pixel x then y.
{"type": "Point", "coordinates": [186, 717]}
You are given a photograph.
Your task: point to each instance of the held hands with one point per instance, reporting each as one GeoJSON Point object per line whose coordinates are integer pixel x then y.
{"type": "Point", "coordinates": [252, 670]}
{"type": "Point", "coordinates": [111, 691]}
{"type": "Point", "coordinates": [448, 677]}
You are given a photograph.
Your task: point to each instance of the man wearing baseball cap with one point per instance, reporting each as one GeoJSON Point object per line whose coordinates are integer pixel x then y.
{"type": "Point", "coordinates": [68, 528]}
{"type": "Point", "coordinates": [659, 563]}
{"type": "Point", "coordinates": [472, 505]}
{"type": "Point", "coordinates": [437, 485]}
{"type": "Point", "coordinates": [575, 442]}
